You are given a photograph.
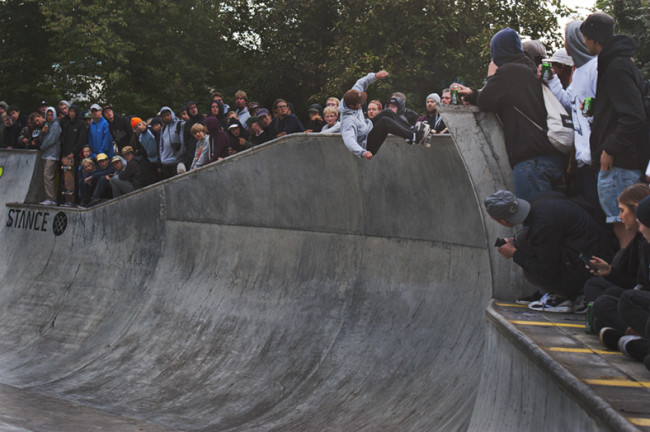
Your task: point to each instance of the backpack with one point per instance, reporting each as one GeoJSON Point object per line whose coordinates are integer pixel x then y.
{"type": "Point", "coordinates": [559, 124]}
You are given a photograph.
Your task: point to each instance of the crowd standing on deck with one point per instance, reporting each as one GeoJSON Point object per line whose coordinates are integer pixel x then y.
{"type": "Point", "coordinates": [584, 214]}
{"type": "Point", "coordinates": [584, 217]}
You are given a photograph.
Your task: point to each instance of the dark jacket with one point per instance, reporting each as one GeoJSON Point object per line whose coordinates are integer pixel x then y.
{"type": "Point", "coordinates": [435, 121]}
{"type": "Point", "coordinates": [290, 124]}
{"type": "Point", "coordinates": [190, 141]}
{"type": "Point", "coordinates": [316, 126]}
{"type": "Point", "coordinates": [625, 265]}
{"type": "Point", "coordinates": [619, 125]}
{"type": "Point", "coordinates": [121, 131]}
{"type": "Point", "coordinates": [71, 130]}
{"type": "Point", "coordinates": [515, 84]}
{"type": "Point", "coordinates": [135, 173]}
{"type": "Point", "coordinates": [558, 231]}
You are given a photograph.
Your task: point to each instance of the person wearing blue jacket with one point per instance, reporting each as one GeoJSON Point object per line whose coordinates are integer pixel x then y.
{"type": "Point", "coordinates": [50, 137]}
{"type": "Point", "coordinates": [362, 136]}
{"type": "Point", "coordinates": [99, 136]}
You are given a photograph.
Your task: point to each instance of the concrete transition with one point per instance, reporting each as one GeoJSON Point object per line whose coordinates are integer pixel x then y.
{"type": "Point", "coordinates": [292, 287]}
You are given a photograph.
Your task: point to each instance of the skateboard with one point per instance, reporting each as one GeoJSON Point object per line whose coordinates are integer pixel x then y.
{"type": "Point", "coordinates": [68, 180]}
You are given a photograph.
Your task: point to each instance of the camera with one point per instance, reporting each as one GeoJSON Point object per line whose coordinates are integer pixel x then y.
{"type": "Point", "coordinates": [500, 242]}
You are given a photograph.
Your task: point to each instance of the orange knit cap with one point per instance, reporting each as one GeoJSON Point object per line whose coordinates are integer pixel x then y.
{"type": "Point", "coordinates": [135, 121]}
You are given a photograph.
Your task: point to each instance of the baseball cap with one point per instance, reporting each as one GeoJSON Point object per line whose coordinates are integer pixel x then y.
{"type": "Point", "coordinates": [560, 56]}
{"type": "Point", "coordinates": [505, 205]}
{"type": "Point", "coordinates": [94, 107]}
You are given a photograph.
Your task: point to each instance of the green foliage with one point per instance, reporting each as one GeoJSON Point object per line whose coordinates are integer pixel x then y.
{"type": "Point", "coordinates": [26, 56]}
{"type": "Point", "coordinates": [632, 19]}
{"type": "Point", "coordinates": [142, 54]}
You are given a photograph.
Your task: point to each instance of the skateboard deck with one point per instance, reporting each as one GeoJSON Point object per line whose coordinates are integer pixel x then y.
{"type": "Point", "coordinates": [68, 180]}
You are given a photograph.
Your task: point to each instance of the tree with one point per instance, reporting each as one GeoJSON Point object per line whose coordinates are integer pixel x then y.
{"type": "Point", "coordinates": [139, 55]}
{"type": "Point", "coordinates": [27, 57]}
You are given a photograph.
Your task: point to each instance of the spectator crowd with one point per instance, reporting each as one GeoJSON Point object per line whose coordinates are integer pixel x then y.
{"type": "Point", "coordinates": [92, 155]}
{"type": "Point", "coordinates": [583, 214]}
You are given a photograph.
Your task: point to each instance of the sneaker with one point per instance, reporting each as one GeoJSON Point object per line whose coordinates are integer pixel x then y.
{"type": "Point", "coordinates": [609, 338]}
{"type": "Point", "coordinates": [580, 306]}
{"type": "Point", "coordinates": [634, 347]}
{"type": "Point", "coordinates": [529, 299]}
{"type": "Point", "coordinates": [48, 203]}
{"type": "Point", "coordinates": [552, 302]}
{"type": "Point", "coordinates": [422, 134]}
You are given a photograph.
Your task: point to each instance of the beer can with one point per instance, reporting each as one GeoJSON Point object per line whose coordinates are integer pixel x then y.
{"type": "Point", "coordinates": [589, 324]}
{"type": "Point", "coordinates": [546, 71]}
{"type": "Point", "coordinates": [588, 107]}
{"type": "Point", "coordinates": [455, 99]}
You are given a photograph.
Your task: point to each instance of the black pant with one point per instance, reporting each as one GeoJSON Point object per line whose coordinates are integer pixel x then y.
{"type": "Point", "coordinates": [384, 123]}
{"type": "Point", "coordinates": [634, 309]}
{"type": "Point", "coordinates": [169, 171]}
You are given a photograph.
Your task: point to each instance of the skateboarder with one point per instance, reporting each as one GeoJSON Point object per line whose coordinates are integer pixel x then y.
{"type": "Point", "coordinates": [362, 136]}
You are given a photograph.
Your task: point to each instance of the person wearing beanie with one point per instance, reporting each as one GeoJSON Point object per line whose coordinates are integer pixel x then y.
{"type": "Point", "coordinates": [535, 49]}
{"type": "Point", "coordinates": [432, 116]}
{"type": "Point", "coordinates": [316, 121]}
{"type": "Point", "coordinates": [619, 143]}
{"type": "Point", "coordinates": [583, 85]}
{"type": "Point", "coordinates": [515, 94]}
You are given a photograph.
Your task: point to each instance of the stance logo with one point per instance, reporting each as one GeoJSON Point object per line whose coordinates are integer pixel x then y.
{"type": "Point", "coordinates": [60, 223]}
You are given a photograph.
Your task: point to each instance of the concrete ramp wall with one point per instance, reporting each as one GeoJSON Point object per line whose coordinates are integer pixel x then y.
{"type": "Point", "coordinates": [292, 287]}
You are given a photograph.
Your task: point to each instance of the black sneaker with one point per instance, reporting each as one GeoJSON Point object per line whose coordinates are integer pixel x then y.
{"type": "Point", "coordinates": [609, 337]}
{"type": "Point", "coordinates": [529, 299]}
{"type": "Point", "coordinates": [634, 347]}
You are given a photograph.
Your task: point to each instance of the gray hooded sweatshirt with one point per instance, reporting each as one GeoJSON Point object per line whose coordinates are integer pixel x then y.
{"type": "Point", "coordinates": [51, 140]}
{"type": "Point", "coordinates": [355, 127]}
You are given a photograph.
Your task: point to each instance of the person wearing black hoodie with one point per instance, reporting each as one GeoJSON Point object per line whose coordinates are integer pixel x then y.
{"type": "Point", "coordinates": [619, 133]}
{"type": "Point", "coordinates": [512, 90]}
{"type": "Point", "coordinates": [195, 117]}
{"type": "Point", "coordinates": [71, 126]}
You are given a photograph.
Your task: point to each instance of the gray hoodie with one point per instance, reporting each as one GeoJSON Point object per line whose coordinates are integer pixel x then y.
{"type": "Point", "coordinates": [51, 140]}
{"type": "Point", "coordinates": [354, 126]}
{"type": "Point", "coordinates": [171, 133]}
{"type": "Point", "coordinates": [576, 44]}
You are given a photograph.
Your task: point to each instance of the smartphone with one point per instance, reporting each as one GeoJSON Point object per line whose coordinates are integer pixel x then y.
{"type": "Point", "coordinates": [586, 260]}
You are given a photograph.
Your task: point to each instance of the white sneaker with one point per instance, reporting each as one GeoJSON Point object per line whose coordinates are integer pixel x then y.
{"type": "Point", "coordinates": [47, 203]}
{"type": "Point", "coordinates": [552, 302]}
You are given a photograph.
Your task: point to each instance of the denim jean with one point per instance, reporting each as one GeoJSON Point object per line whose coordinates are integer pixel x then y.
{"type": "Point", "coordinates": [537, 175]}
{"type": "Point", "coordinates": [610, 185]}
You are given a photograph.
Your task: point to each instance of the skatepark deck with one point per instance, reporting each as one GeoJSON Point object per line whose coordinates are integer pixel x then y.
{"type": "Point", "coordinates": [290, 287]}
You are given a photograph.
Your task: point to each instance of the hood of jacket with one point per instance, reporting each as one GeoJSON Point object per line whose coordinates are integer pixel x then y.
{"type": "Point", "coordinates": [401, 106]}
{"type": "Point", "coordinates": [524, 59]}
{"type": "Point", "coordinates": [166, 108]}
{"type": "Point", "coordinates": [616, 46]}
{"type": "Point", "coordinates": [53, 115]}
{"type": "Point", "coordinates": [576, 44]}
